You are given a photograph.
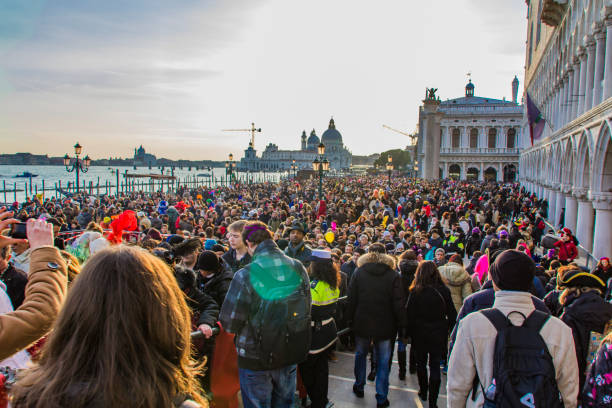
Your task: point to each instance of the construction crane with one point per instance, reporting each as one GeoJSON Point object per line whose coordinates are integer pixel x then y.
{"type": "Point", "coordinates": [411, 136]}
{"type": "Point", "coordinates": [253, 130]}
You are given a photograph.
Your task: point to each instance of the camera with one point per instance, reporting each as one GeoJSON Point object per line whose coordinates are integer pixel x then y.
{"type": "Point", "coordinates": [18, 230]}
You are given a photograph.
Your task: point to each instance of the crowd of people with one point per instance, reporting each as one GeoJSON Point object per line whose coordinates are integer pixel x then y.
{"type": "Point", "coordinates": [131, 300]}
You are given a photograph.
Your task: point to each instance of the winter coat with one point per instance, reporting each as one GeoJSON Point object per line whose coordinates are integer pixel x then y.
{"type": "Point", "coordinates": [584, 314]}
{"type": "Point", "coordinates": [473, 244]}
{"type": "Point", "coordinates": [484, 299]}
{"type": "Point", "coordinates": [430, 316]}
{"type": "Point", "coordinates": [323, 315]}
{"type": "Point", "coordinates": [203, 308]}
{"type": "Point", "coordinates": [567, 250]}
{"type": "Point", "coordinates": [15, 281]}
{"type": "Point", "coordinates": [301, 252]}
{"type": "Point", "coordinates": [234, 264]}
{"type": "Point", "coordinates": [458, 282]}
{"type": "Point", "coordinates": [277, 275]}
{"type": "Point", "coordinates": [45, 292]}
{"type": "Point", "coordinates": [407, 270]}
{"type": "Point", "coordinates": [603, 274]}
{"type": "Point", "coordinates": [486, 242]}
{"type": "Point", "coordinates": [597, 391]}
{"type": "Point", "coordinates": [376, 299]}
{"type": "Point", "coordinates": [217, 286]}
{"type": "Point", "coordinates": [474, 349]}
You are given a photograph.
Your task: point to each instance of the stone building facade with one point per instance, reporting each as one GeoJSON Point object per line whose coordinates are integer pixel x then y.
{"type": "Point", "coordinates": [471, 137]}
{"type": "Point", "coordinates": [569, 77]}
{"type": "Point", "coordinates": [275, 159]}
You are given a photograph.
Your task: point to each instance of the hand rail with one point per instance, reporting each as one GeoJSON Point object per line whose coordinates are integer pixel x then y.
{"type": "Point", "coordinates": [588, 256]}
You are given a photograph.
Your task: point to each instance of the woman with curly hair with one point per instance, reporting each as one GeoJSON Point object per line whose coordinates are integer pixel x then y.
{"type": "Point", "coordinates": [122, 339]}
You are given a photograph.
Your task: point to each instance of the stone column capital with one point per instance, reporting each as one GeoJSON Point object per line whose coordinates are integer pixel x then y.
{"type": "Point", "coordinates": [589, 42]}
{"type": "Point", "coordinates": [607, 15]}
{"type": "Point", "coordinates": [581, 194]}
{"type": "Point", "coordinates": [599, 30]}
{"type": "Point", "coordinates": [602, 201]}
{"type": "Point", "coordinates": [566, 188]}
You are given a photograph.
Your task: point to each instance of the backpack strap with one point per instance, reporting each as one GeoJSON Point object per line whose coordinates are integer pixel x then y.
{"type": "Point", "coordinates": [496, 317]}
{"type": "Point", "coordinates": [500, 322]}
{"type": "Point", "coordinates": [536, 320]}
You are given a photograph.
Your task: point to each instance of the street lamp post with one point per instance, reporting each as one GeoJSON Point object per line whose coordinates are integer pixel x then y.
{"type": "Point", "coordinates": [229, 167]}
{"type": "Point", "coordinates": [79, 165]}
{"type": "Point", "coordinates": [294, 169]}
{"type": "Point", "coordinates": [416, 169]}
{"type": "Point", "coordinates": [389, 168]}
{"type": "Point", "coordinates": [320, 164]}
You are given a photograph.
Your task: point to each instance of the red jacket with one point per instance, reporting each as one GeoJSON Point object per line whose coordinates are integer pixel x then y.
{"type": "Point", "coordinates": [567, 250]}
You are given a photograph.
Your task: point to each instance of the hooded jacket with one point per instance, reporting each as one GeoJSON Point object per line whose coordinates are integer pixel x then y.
{"type": "Point", "coordinates": [376, 298]}
{"type": "Point", "coordinates": [218, 285]}
{"type": "Point", "coordinates": [458, 281]}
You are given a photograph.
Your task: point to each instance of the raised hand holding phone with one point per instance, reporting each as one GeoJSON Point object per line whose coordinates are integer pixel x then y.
{"type": "Point", "coordinates": [6, 222]}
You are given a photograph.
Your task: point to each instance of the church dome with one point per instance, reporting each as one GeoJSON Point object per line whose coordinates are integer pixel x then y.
{"type": "Point", "coordinates": [313, 139]}
{"type": "Point", "coordinates": [331, 135]}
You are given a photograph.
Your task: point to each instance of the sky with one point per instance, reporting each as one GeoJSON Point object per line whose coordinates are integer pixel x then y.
{"type": "Point", "coordinates": [170, 75]}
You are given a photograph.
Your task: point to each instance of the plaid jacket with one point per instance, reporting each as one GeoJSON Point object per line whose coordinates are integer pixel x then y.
{"type": "Point", "coordinates": [281, 276]}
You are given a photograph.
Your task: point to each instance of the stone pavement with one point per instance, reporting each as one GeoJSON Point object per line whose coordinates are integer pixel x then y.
{"type": "Point", "coordinates": [401, 393]}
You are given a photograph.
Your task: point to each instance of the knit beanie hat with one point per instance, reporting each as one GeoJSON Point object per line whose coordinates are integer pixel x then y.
{"type": "Point", "coordinates": [513, 270]}
{"type": "Point", "coordinates": [209, 261]}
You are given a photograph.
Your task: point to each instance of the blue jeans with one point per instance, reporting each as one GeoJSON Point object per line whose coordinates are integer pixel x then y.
{"type": "Point", "coordinates": [268, 388]}
{"type": "Point", "coordinates": [382, 351]}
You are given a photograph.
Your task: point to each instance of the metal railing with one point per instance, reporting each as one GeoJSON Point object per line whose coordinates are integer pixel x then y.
{"type": "Point", "coordinates": [582, 251]}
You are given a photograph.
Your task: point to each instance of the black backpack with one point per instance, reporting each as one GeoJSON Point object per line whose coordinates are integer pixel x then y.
{"type": "Point", "coordinates": [523, 371]}
{"type": "Point", "coordinates": [282, 327]}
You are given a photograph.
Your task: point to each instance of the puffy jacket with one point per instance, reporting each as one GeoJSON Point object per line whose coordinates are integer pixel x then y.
{"type": "Point", "coordinates": [567, 251]}
{"type": "Point", "coordinates": [475, 345]}
{"type": "Point", "coordinates": [44, 294]}
{"type": "Point", "coordinates": [218, 285]}
{"type": "Point", "coordinates": [376, 299]}
{"type": "Point", "coordinates": [458, 281]}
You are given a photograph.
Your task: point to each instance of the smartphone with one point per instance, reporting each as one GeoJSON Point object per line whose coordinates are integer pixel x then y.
{"type": "Point", "coordinates": [18, 230]}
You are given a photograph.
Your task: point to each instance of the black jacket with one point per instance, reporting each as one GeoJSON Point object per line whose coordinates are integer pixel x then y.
{"type": "Point", "coordinates": [234, 264]}
{"type": "Point", "coordinates": [431, 316]}
{"type": "Point", "coordinates": [15, 281]}
{"type": "Point", "coordinates": [376, 299]}
{"type": "Point", "coordinates": [203, 307]}
{"type": "Point", "coordinates": [585, 313]}
{"type": "Point", "coordinates": [217, 286]}
{"type": "Point", "coordinates": [407, 270]}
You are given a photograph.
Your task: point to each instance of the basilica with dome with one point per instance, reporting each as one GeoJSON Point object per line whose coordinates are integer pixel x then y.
{"type": "Point", "coordinates": [275, 159]}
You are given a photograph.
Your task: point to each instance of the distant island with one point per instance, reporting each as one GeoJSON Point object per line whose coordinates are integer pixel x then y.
{"type": "Point", "coordinates": [141, 159]}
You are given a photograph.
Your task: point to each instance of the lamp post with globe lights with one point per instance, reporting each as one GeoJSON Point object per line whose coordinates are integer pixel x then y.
{"type": "Point", "coordinates": [229, 167]}
{"type": "Point", "coordinates": [389, 168]}
{"type": "Point", "coordinates": [320, 164]}
{"type": "Point", "coordinates": [77, 165]}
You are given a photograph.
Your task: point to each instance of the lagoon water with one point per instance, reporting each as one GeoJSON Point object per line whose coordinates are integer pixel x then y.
{"type": "Point", "coordinates": [52, 175]}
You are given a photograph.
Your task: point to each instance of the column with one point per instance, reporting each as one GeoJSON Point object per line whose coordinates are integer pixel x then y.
{"type": "Point", "coordinates": [481, 173]}
{"type": "Point", "coordinates": [552, 215]}
{"type": "Point", "coordinates": [576, 89]}
{"type": "Point", "coordinates": [602, 241]}
{"type": "Point", "coordinates": [570, 94]}
{"type": "Point", "coordinates": [462, 171]}
{"type": "Point", "coordinates": [567, 85]}
{"type": "Point", "coordinates": [607, 91]}
{"type": "Point", "coordinates": [436, 117]}
{"type": "Point", "coordinates": [583, 74]}
{"type": "Point", "coordinates": [584, 229]}
{"type": "Point", "coordinates": [590, 46]}
{"type": "Point", "coordinates": [600, 38]}
{"type": "Point", "coordinates": [559, 204]}
{"type": "Point", "coordinates": [571, 212]}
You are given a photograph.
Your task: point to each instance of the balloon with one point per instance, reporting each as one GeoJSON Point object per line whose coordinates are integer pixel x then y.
{"type": "Point", "coordinates": [329, 237]}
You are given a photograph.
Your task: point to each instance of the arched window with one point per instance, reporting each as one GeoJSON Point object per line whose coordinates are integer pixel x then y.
{"type": "Point", "coordinates": [492, 138]}
{"type": "Point", "coordinates": [456, 139]}
{"type": "Point", "coordinates": [511, 138]}
{"type": "Point", "coordinates": [473, 138]}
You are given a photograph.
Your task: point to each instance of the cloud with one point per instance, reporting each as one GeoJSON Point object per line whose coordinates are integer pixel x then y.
{"type": "Point", "coordinates": [171, 75]}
